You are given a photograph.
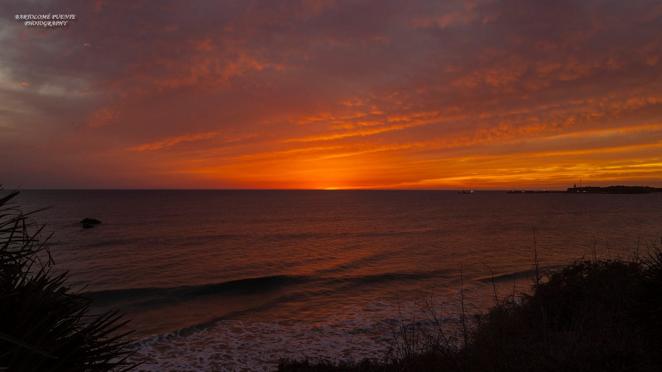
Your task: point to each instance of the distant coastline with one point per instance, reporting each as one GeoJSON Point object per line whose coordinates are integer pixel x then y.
{"type": "Point", "coordinates": [619, 189]}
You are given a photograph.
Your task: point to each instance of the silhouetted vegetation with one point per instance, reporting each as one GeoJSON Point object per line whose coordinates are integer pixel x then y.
{"type": "Point", "coordinates": [590, 316]}
{"type": "Point", "coordinates": [44, 325]}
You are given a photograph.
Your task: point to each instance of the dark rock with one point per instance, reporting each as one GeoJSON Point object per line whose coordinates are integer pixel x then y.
{"type": "Point", "coordinates": [89, 222]}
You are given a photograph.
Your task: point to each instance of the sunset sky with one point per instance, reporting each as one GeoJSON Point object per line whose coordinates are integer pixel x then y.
{"type": "Point", "coordinates": [332, 94]}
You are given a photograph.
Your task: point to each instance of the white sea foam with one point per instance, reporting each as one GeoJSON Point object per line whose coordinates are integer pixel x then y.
{"type": "Point", "coordinates": [355, 334]}
{"type": "Point", "coordinates": [244, 345]}
{"type": "Point", "coordinates": [235, 345]}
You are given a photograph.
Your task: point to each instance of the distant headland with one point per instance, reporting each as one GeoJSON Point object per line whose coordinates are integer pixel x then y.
{"type": "Point", "coordinates": [614, 189]}
{"type": "Point", "coordinates": [619, 189]}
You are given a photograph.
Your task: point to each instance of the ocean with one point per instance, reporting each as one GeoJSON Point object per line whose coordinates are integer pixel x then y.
{"type": "Point", "coordinates": [235, 280]}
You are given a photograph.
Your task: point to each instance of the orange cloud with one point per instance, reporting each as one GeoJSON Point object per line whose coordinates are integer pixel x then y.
{"type": "Point", "coordinates": [172, 141]}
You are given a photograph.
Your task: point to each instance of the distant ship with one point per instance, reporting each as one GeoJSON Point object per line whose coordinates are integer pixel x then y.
{"type": "Point", "coordinates": [465, 192]}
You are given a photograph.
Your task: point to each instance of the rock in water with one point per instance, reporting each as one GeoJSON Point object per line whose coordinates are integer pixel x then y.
{"type": "Point", "coordinates": [89, 222]}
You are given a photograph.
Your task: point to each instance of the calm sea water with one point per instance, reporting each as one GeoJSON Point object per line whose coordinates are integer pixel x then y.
{"type": "Point", "coordinates": [238, 279]}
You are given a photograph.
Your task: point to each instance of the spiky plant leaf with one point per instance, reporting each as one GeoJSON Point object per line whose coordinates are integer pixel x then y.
{"type": "Point", "coordinates": [44, 324]}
